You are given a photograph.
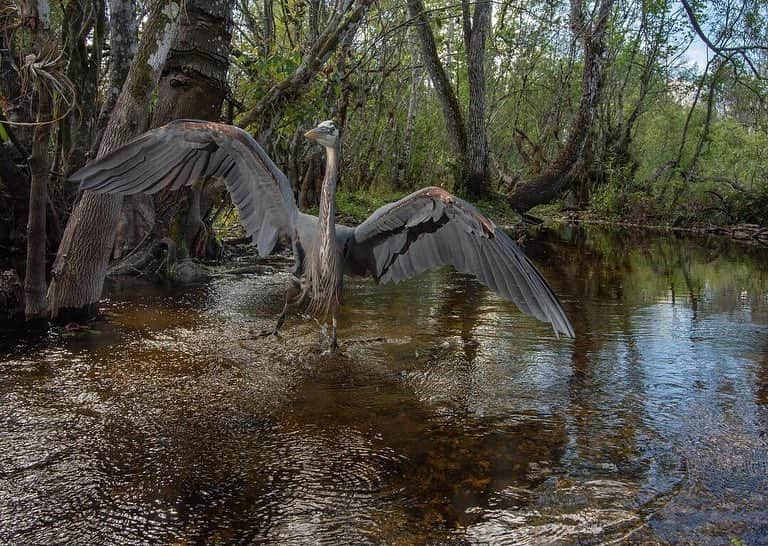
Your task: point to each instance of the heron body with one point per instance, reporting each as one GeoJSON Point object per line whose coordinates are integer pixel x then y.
{"type": "Point", "coordinates": [425, 230]}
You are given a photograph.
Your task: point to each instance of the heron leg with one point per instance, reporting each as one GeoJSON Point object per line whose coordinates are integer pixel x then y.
{"type": "Point", "coordinates": [334, 323]}
{"type": "Point", "coordinates": [293, 295]}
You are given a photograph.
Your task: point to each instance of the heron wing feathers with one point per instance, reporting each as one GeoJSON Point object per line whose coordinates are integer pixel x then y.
{"type": "Point", "coordinates": [432, 228]}
{"type": "Point", "coordinates": [184, 151]}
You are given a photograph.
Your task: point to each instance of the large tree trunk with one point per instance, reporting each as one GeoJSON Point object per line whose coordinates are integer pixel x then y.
{"type": "Point", "coordinates": [135, 216]}
{"type": "Point", "coordinates": [194, 79]}
{"type": "Point", "coordinates": [559, 175]}
{"type": "Point", "coordinates": [39, 162]}
{"type": "Point", "coordinates": [449, 104]}
{"type": "Point", "coordinates": [193, 85]}
{"type": "Point", "coordinates": [83, 37]}
{"type": "Point", "coordinates": [81, 263]}
{"type": "Point", "coordinates": [477, 177]}
{"type": "Point", "coordinates": [404, 158]}
{"type": "Point", "coordinates": [123, 42]}
{"type": "Point", "coordinates": [468, 139]}
{"type": "Point", "coordinates": [36, 16]}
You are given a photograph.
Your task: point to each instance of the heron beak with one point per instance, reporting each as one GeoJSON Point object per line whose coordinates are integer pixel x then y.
{"type": "Point", "coordinates": [313, 134]}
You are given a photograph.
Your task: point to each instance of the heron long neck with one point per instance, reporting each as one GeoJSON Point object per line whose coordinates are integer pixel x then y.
{"type": "Point", "coordinates": [324, 272]}
{"type": "Point", "coordinates": [327, 211]}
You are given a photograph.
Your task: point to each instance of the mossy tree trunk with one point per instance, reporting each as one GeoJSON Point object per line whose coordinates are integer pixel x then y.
{"type": "Point", "coordinates": [476, 28]}
{"type": "Point", "coordinates": [81, 262]}
{"type": "Point", "coordinates": [404, 157]}
{"type": "Point", "coordinates": [123, 43]}
{"type": "Point", "coordinates": [449, 103]}
{"type": "Point", "coordinates": [35, 16]}
{"type": "Point", "coordinates": [192, 85]}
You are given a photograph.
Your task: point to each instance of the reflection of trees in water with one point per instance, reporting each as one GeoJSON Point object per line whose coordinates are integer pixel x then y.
{"type": "Point", "coordinates": [607, 389]}
{"type": "Point", "coordinates": [437, 465]}
{"type": "Point", "coordinates": [761, 377]}
{"type": "Point", "coordinates": [638, 268]}
{"type": "Point", "coordinates": [580, 265]}
{"type": "Point", "coordinates": [607, 386]}
{"type": "Point", "coordinates": [460, 311]}
{"type": "Point", "coordinates": [673, 261]}
{"type": "Point", "coordinates": [598, 398]}
{"type": "Point", "coordinates": [613, 276]}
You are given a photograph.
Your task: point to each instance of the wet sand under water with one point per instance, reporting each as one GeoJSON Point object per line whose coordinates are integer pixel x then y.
{"type": "Point", "coordinates": [449, 417]}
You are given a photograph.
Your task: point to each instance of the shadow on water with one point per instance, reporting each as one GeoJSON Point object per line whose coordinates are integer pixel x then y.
{"type": "Point", "coordinates": [167, 422]}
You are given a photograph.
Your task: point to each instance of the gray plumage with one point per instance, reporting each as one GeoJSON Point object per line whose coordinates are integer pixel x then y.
{"type": "Point", "coordinates": [186, 151]}
{"type": "Point", "coordinates": [324, 273]}
{"type": "Point", "coordinates": [425, 230]}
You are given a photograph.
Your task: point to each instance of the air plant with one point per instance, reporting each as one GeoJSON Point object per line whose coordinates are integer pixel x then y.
{"type": "Point", "coordinates": [43, 76]}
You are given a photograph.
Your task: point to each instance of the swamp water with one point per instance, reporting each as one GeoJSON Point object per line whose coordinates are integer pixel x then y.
{"type": "Point", "coordinates": [450, 418]}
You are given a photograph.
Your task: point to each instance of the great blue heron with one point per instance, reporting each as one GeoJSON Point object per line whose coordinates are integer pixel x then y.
{"type": "Point", "coordinates": [428, 229]}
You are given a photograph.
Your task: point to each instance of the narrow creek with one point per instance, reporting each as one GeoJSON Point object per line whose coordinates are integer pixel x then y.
{"type": "Point", "coordinates": [449, 417]}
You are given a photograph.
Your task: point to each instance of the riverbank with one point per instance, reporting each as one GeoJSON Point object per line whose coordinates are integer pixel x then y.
{"type": "Point", "coordinates": [354, 207]}
{"type": "Point", "coordinates": [753, 234]}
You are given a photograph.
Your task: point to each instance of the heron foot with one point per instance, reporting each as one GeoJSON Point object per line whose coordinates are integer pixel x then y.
{"type": "Point", "coordinates": [265, 333]}
{"type": "Point", "coordinates": [332, 350]}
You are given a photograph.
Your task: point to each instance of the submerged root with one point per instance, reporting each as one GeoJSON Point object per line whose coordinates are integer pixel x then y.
{"type": "Point", "coordinates": [160, 259]}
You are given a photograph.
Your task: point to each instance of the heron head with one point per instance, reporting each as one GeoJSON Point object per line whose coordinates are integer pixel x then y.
{"type": "Point", "coordinates": [326, 133]}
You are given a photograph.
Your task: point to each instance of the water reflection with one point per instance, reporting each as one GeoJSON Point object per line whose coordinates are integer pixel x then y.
{"type": "Point", "coordinates": [166, 422]}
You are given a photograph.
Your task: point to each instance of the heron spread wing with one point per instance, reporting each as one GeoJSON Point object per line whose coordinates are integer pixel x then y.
{"type": "Point", "coordinates": [432, 228]}
{"type": "Point", "coordinates": [183, 151]}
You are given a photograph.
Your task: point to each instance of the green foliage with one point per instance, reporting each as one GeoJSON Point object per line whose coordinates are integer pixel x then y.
{"type": "Point", "coordinates": [358, 204]}
{"type": "Point", "coordinates": [355, 205]}
{"type": "Point", "coordinates": [498, 209]}
{"type": "Point", "coordinates": [728, 185]}
{"type": "Point", "coordinates": [654, 157]}
{"type": "Point", "coordinates": [746, 206]}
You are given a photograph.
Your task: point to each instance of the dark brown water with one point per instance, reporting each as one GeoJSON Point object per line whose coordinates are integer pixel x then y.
{"type": "Point", "coordinates": [468, 424]}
